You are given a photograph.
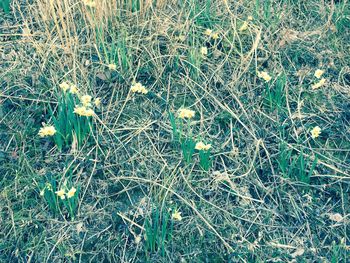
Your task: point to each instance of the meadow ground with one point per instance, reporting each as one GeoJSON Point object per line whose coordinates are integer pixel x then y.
{"type": "Point", "coordinates": [175, 131]}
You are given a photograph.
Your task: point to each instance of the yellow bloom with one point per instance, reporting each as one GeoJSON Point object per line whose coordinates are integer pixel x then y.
{"type": "Point", "coordinates": [208, 32]}
{"type": "Point", "coordinates": [64, 86]}
{"type": "Point", "coordinates": [138, 239]}
{"type": "Point", "coordinates": [186, 114]}
{"type": "Point", "coordinates": [181, 38]}
{"type": "Point", "coordinates": [48, 186]}
{"type": "Point", "coordinates": [112, 66]}
{"type": "Point", "coordinates": [73, 89]}
{"type": "Point", "coordinates": [176, 216]}
{"type": "Point", "coordinates": [61, 194]}
{"type": "Point", "coordinates": [97, 102]}
{"type": "Point", "coordinates": [315, 132]}
{"type": "Point", "coordinates": [215, 36]}
{"type": "Point", "coordinates": [204, 51]}
{"type": "Point", "coordinates": [264, 75]}
{"type": "Point", "coordinates": [244, 26]}
{"type": "Point", "coordinates": [319, 84]}
{"type": "Point", "coordinates": [200, 146]}
{"type": "Point", "coordinates": [318, 73]}
{"type": "Point", "coordinates": [47, 131]}
{"type": "Point", "coordinates": [86, 100]}
{"type": "Point", "coordinates": [250, 18]}
{"type": "Point", "coordinates": [89, 113]}
{"type": "Point", "coordinates": [71, 192]}
{"type": "Point", "coordinates": [139, 88]}
{"type": "Point", "coordinates": [90, 3]}
{"type": "Point", "coordinates": [83, 111]}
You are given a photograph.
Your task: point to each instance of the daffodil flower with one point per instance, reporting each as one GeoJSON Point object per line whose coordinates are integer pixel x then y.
{"type": "Point", "coordinates": [244, 26]}
{"type": "Point", "coordinates": [97, 102]}
{"type": "Point", "coordinates": [315, 132]}
{"type": "Point", "coordinates": [73, 89]}
{"type": "Point", "coordinates": [90, 3]}
{"type": "Point", "coordinates": [86, 100]}
{"type": "Point", "coordinates": [318, 73]}
{"type": "Point", "coordinates": [176, 216]}
{"type": "Point", "coordinates": [47, 131]}
{"type": "Point", "coordinates": [319, 84]}
{"type": "Point", "coordinates": [264, 75]}
{"type": "Point", "coordinates": [61, 193]}
{"type": "Point", "coordinates": [64, 86]}
{"type": "Point", "coordinates": [138, 88]}
{"type": "Point", "coordinates": [208, 32]}
{"type": "Point", "coordinates": [112, 66]}
{"type": "Point", "coordinates": [83, 111]}
{"type": "Point", "coordinates": [200, 146]}
{"type": "Point", "coordinates": [204, 51]}
{"type": "Point", "coordinates": [186, 114]}
{"type": "Point", "coordinates": [71, 192]}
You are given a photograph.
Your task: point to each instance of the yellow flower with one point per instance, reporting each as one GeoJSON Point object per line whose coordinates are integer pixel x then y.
{"type": "Point", "coordinates": [90, 3]}
{"type": "Point", "coordinates": [186, 114]}
{"type": "Point", "coordinates": [204, 51]}
{"type": "Point", "coordinates": [250, 18]}
{"type": "Point", "coordinates": [83, 111]}
{"type": "Point", "coordinates": [61, 194]}
{"type": "Point", "coordinates": [64, 86]}
{"type": "Point", "coordinates": [315, 132]}
{"type": "Point", "coordinates": [318, 73]}
{"type": "Point", "coordinates": [200, 146]}
{"type": "Point", "coordinates": [89, 113]}
{"type": "Point", "coordinates": [138, 239]}
{"type": "Point", "coordinates": [97, 102]}
{"type": "Point", "coordinates": [48, 186]}
{"type": "Point", "coordinates": [71, 192]}
{"type": "Point", "coordinates": [138, 88]}
{"type": "Point", "coordinates": [208, 32]}
{"type": "Point", "coordinates": [244, 26]}
{"type": "Point", "coordinates": [47, 131]}
{"type": "Point", "coordinates": [319, 84]}
{"type": "Point", "coordinates": [112, 66]}
{"type": "Point", "coordinates": [86, 100]}
{"type": "Point", "coordinates": [73, 89]}
{"type": "Point", "coordinates": [181, 38]}
{"type": "Point", "coordinates": [215, 36]}
{"type": "Point", "coordinates": [176, 216]}
{"type": "Point", "coordinates": [264, 75]}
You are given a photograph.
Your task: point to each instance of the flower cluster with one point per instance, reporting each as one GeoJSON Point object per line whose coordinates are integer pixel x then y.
{"type": "Point", "coordinates": [86, 100]}
{"type": "Point", "coordinates": [264, 75]}
{"type": "Point", "coordinates": [138, 88]}
{"type": "Point", "coordinates": [84, 111]}
{"type": "Point", "coordinates": [63, 194]}
{"type": "Point", "coordinates": [85, 108]}
{"type": "Point", "coordinates": [214, 35]}
{"type": "Point", "coordinates": [201, 146]}
{"type": "Point", "coordinates": [318, 74]}
{"type": "Point", "coordinates": [186, 114]}
{"type": "Point", "coordinates": [66, 86]}
{"type": "Point", "coordinates": [47, 131]}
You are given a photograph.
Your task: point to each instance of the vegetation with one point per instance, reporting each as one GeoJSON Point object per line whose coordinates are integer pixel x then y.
{"type": "Point", "coordinates": [174, 131]}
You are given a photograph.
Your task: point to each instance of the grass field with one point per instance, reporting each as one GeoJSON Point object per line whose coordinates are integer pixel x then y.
{"type": "Point", "coordinates": [175, 131]}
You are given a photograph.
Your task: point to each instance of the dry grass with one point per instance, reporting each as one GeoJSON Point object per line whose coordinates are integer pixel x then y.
{"type": "Point", "coordinates": [272, 194]}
